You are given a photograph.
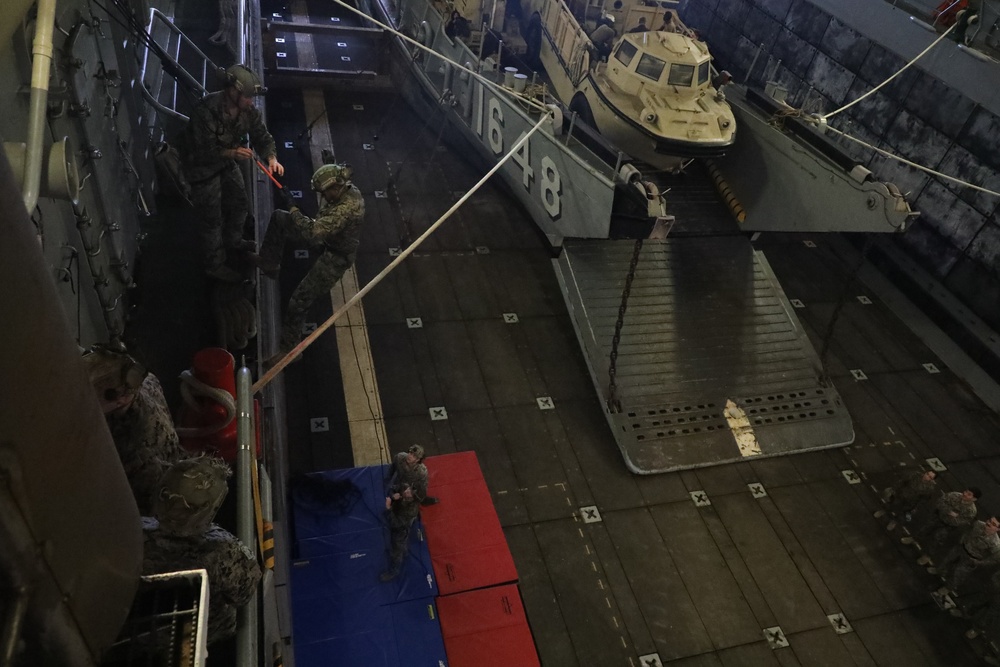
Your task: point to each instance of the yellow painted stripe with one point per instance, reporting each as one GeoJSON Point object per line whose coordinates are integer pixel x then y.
{"type": "Point", "coordinates": [742, 430]}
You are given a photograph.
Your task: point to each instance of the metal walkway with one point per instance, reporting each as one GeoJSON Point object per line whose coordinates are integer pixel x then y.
{"type": "Point", "coordinates": [713, 365]}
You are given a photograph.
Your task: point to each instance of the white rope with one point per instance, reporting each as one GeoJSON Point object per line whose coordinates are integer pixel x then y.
{"type": "Point", "coordinates": [192, 387]}
{"type": "Point", "coordinates": [914, 164]}
{"type": "Point", "coordinates": [308, 340]}
{"type": "Point", "coordinates": [494, 86]}
{"type": "Point", "coordinates": [884, 83]}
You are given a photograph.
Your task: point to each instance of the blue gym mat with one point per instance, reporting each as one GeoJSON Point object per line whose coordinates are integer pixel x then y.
{"type": "Point", "coordinates": [342, 614]}
{"type": "Point", "coordinates": [356, 505]}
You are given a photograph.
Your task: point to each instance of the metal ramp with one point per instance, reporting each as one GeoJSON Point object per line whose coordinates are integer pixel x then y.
{"type": "Point", "coordinates": [713, 365]}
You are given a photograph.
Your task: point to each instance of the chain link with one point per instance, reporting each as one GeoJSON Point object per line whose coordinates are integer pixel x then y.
{"type": "Point", "coordinates": [614, 404]}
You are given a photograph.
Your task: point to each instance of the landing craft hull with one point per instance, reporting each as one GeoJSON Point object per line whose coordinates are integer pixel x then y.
{"type": "Point", "coordinates": [786, 184]}
{"type": "Point", "coordinates": [491, 123]}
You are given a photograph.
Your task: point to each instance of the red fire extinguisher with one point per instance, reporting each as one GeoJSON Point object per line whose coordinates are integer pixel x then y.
{"type": "Point", "coordinates": [207, 420]}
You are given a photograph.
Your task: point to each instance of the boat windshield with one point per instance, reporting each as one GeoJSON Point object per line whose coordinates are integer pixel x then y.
{"type": "Point", "coordinates": [626, 52]}
{"type": "Point", "coordinates": [704, 72]}
{"type": "Point", "coordinates": [681, 75]}
{"type": "Point", "coordinates": [652, 67]}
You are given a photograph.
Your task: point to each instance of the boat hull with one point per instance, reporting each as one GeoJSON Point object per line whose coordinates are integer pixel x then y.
{"type": "Point", "coordinates": [490, 122]}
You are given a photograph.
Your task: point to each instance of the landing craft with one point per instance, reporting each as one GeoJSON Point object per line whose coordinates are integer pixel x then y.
{"type": "Point", "coordinates": [653, 97]}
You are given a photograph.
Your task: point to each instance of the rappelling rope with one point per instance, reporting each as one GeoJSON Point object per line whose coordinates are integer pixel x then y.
{"type": "Point", "coordinates": [778, 118]}
{"type": "Point", "coordinates": [191, 389]}
{"type": "Point", "coordinates": [308, 340]}
{"type": "Point", "coordinates": [914, 164]}
{"type": "Point", "coordinates": [485, 81]}
{"type": "Point", "coordinates": [886, 82]}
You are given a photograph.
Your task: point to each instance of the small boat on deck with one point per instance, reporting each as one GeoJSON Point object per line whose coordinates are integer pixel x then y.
{"type": "Point", "coordinates": [654, 96]}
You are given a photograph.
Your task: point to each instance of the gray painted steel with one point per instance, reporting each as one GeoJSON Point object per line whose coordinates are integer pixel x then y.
{"type": "Point", "coordinates": [707, 322]}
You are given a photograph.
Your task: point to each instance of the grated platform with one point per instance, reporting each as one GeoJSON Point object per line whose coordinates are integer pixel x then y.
{"type": "Point", "coordinates": [713, 366]}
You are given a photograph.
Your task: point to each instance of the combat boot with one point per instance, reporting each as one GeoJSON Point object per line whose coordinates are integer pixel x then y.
{"type": "Point", "coordinates": [224, 273]}
{"type": "Point", "coordinates": [245, 245]}
{"type": "Point", "coordinates": [270, 269]}
{"type": "Point", "coordinates": [270, 362]}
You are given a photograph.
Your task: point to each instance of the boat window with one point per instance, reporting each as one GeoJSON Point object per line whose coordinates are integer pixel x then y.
{"type": "Point", "coordinates": [650, 67]}
{"type": "Point", "coordinates": [703, 72]}
{"type": "Point", "coordinates": [681, 75]}
{"type": "Point", "coordinates": [625, 53]}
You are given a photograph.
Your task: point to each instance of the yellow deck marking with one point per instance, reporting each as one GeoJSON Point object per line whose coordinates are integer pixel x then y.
{"type": "Point", "coordinates": [742, 430]}
{"type": "Point", "coordinates": [362, 398]}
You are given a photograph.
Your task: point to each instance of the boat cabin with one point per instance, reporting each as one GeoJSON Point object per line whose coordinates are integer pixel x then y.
{"type": "Point", "coordinates": [664, 62]}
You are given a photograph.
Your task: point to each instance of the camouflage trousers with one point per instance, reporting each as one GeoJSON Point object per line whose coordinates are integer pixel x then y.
{"type": "Point", "coordinates": [399, 546]}
{"type": "Point", "coordinates": [957, 566]}
{"type": "Point", "coordinates": [221, 203]}
{"type": "Point", "coordinates": [326, 272]}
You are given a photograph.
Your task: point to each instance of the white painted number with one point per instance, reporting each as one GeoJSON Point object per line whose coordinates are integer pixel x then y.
{"type": "Point", "coordinates": [495, 126]}
{"type": "Point", "coordinates": [551, 188]}
{"type": "Point", "coordinates": [551, 183]}
{"type": "Point", "coordinates": [522, 158]}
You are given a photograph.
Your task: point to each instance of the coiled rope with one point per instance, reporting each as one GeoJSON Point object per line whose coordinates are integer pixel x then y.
{"type": "Point", "coordinates": [191, 390]}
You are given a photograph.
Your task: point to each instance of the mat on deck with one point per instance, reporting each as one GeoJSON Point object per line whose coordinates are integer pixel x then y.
{"type": "Point", "coordinates": [487, 627]}
{"type": "Point", "coordinates": [342, 614]}
{"type": "Point", "coordinates": [467, 545]}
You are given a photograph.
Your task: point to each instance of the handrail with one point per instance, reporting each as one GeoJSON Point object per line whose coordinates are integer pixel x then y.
{"type": "Point", "coordinates": [171, 65]}
{"type": "Point", "coordinates": [200, 86]}
{"type": "Point", "coordinates": [247, 639]}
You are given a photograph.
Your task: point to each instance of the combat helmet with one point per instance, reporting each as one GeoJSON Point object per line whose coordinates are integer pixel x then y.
{"type": "Point", "coordinates": [244, 80]}
{"type": "Point", "coordinates": [189, 495]}
{"type": "Point", "coordinates": [115, 376]}
{"type": "Point", "coordinates": [331, 174]}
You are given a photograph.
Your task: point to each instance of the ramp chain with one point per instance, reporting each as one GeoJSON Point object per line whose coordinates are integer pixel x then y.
{"type": "Point", "coordinates": [614, 405]}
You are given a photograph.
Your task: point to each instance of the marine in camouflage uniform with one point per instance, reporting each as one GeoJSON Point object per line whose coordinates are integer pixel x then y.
{"type": "Point", "coordinates": [181, 536]}
{"type": "Point", "coordinates": [138, 418]}
{"type": "Point", "coordinates": [146, 440]}
{"type": "Point", "coordinates": [334, 234]}
{"type": "Point", "coordinates": [945, 521]}
{"type": "Point", "coordinates": [407, 470]}
{"type": "Point", "coordinates": [914, 492]}
{"type": "Point", "coordinates": [402, 509]}
{"type": "Point", "coordinates": [210, 145]}
{"type": "Point", "coordinates": [980, 547]}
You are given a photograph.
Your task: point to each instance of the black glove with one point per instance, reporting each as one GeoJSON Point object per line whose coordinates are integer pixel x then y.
{"type": "Point", "coordinates": [286, 199]}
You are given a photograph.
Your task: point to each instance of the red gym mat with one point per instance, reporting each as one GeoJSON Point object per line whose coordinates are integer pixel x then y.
{"type": "Point", "coordinates": [487, 627]}
{"type": "Point", "coordinates": [467, 545]}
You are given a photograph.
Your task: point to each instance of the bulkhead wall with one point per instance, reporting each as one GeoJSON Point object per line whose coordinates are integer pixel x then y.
{"type": "Point", "coordinates": [942, 113]}
{"type": "Point", "coordinates": [94, 101]}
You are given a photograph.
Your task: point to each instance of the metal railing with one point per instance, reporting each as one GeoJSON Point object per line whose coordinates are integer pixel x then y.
{"type": "Point", "coordinates": [170, 63]}
{"type": "Point", "coordinates": [247, 634]}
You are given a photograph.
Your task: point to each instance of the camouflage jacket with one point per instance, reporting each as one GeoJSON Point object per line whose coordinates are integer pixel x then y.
{"type": "Point", "coordinates": [981, 545]}
{"type": "Point", "coordinates": [402, 513]}
{"type": "Point", "coordinates": [337, 226]}
{"type": "Point", "coordinates": [402, 473]}
{"type": "Point", "coordinates": [233, 571]}
{"type": "Point", "coordinates": [914, 488]}
{"type": "Point", "coordinates": [210, 131]}
{"type": "Point", "coordinates": [146, 440]}
{"type": "Point", "coordinates": [952, 502]}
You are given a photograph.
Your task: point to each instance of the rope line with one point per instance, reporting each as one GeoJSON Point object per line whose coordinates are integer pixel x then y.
{"type": "Point", "coordinates": [311, 338]}
{"type": "Point", "coordinates": [914, 164]}
{"type": "Point", "coordinates": [494, 86]}
{"type": "Point", "coordinates": [884, 83]}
